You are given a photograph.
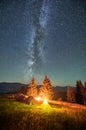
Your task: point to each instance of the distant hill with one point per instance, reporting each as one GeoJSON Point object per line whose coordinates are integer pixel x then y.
{"type": "Point", "coordinates": [60, 88]}
{"type": "Point", "coordinates": [6, 87]}
{"type": "Point", "coordinates": [10, 87]}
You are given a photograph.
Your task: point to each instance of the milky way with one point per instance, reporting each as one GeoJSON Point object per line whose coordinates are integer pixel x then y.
{"type": "Point", "coordinates": [36, 46]}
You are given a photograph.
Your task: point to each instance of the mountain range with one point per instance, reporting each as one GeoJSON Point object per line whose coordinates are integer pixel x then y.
{"type": "Point", "coordinates": [6, 87]}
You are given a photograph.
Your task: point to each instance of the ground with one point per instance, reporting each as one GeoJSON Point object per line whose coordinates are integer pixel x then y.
{"type": "Point", "coordinates": [19, 116]}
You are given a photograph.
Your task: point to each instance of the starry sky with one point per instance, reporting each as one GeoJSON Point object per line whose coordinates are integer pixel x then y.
{"type": "Point", "coordinates": [39, 37]}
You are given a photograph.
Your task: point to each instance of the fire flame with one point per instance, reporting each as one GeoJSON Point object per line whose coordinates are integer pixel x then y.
{"type": "Point", "coordinates": [45, 101]}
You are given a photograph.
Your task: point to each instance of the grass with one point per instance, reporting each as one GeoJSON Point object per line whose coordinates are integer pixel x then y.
{"type": "Point", "coordinates": [19, 116]}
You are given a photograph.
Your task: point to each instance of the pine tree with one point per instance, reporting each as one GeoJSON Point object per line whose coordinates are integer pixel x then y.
{"type": "Point", "coordinates": [71, 95]}
{"type": "Point", "coordinates": [85, 84]}
{"type": "Point", "coordinates": [81, 92]}
{"type": "Point", "coordinates": [32, 88]}
{"type": "Point", "coordinates": [46, 90]}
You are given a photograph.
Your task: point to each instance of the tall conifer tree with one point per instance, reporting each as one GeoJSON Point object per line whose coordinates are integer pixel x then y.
{"type": "Point", "coordinates": [32, 88]}
{"type": "Point", "coordinates": [46, 90]}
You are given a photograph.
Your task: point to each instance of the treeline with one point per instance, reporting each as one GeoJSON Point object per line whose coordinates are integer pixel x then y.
{"type": "Point", "coordinates": [79, 95]}
{"type": "Point", "coordinates": [45, 90]}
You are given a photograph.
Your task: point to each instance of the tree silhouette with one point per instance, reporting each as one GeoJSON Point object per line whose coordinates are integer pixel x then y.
{"type": "Point", "coordinates": [81, 92]}
{"type": "Point", "coordinates": [79, 88]}
{"type": "Point", "coordinates": [71, 95]}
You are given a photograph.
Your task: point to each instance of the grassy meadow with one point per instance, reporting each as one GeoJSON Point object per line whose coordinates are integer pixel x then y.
{"type": "Point", "coordinates": [19, 116]}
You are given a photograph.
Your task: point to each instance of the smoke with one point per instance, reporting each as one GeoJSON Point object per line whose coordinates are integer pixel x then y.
{"type": "Point", "coordinates": [35, 47]}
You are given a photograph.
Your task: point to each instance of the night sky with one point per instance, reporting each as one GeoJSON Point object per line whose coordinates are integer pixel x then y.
{"type": "Point", "coordinates": [39, 37]}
